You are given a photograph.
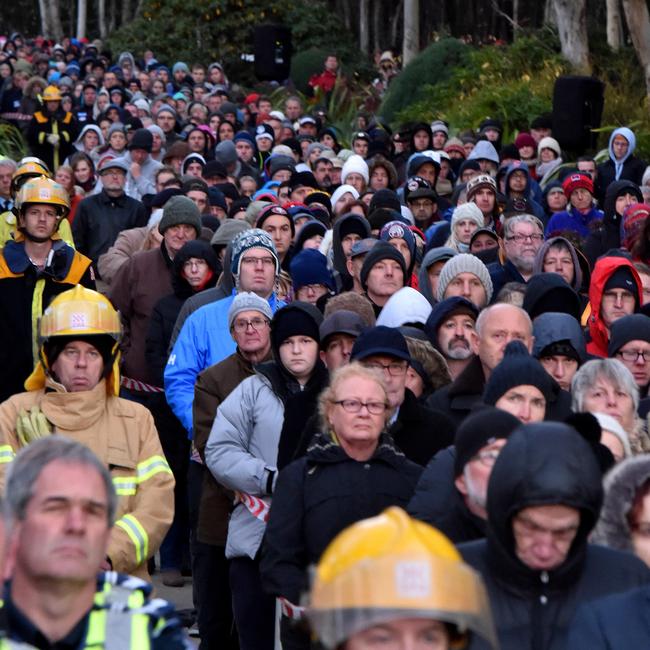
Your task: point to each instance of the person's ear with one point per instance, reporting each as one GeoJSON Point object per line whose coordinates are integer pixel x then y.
{"type": "Point", "coordinates": [460, 484]}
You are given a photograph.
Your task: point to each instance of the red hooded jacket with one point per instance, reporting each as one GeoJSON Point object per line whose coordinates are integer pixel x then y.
{"type": "Point", "coordinates": [598, 333]}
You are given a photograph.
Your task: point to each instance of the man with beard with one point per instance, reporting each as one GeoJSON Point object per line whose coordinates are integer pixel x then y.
{"type": "Point", "coordinates": [523, 237]}
{"type": "Point", "coordinates": [452, 491]}
{"type": "Point", "coordinates": [450, 328]}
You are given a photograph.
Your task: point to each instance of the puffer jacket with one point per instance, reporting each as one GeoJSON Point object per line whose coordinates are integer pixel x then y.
{"type": "Point", "coordinates": [598, 334]}
{"type": "Point", "coordinates": [242, 452]}
{"type": "Point", "coordinates": [122, 434]}
{"type": "Point", "coordinates": [545, 464]}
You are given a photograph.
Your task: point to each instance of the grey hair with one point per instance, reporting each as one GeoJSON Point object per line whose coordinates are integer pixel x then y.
{"type": "Point", "coordinates": [8, 162]}
{"type": "Point", "coordinates": [30, 461]}
{"type": "Point", "coordinates": [509, 224]}
{"type": "Point", "coordinates": [483, 316]}
{"type": "Point", "coordinates": [611, 369]}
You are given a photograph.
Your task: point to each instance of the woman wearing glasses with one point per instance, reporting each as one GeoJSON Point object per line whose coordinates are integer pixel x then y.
{"type": "Point", "coordinates": [351, 471]}
{"type": "Point", "coordinates": [255, 429]}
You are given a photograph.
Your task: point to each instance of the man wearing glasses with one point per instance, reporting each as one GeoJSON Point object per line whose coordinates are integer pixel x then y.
{"type": "Point", "coordinates": [523, 237]}
{"type": "Point", "coordinates": [101, 217]}
{"type": "Point", "coordinates": [630, 344]}
{"type": "Point", "coordinates": [543, 499]}
{"type": "Point", "coordinates": [418, 431]}
{"type": "Point", "coordinates": [451, 494]}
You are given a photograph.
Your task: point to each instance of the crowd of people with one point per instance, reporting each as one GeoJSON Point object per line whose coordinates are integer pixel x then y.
{"type": "Point", "coordinates": [419, 364]}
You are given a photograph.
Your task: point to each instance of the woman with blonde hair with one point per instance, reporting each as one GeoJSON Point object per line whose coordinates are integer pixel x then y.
{"type": "Point", "coordinates": [352, 470]}
{"type": "Point", "coordinates": [466, 219]}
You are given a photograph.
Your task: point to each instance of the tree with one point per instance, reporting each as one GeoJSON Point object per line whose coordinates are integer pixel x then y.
{"type": "Point", "coordinates": [82, 9]}
{"type": "Point", "coordinates": [571, 18]}
{"type": "Point", "coordinates": [614, 26]}
{"type": "Point", "coordinates": [411, 45]}
{"type": "Point", "coordinates": [638, 22]}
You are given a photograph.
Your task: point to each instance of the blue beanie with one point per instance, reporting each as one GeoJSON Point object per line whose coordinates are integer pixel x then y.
{"type": "Point", "coordinates": [398, 230]}
{"type": "Point", "coordinates": [310, 267]}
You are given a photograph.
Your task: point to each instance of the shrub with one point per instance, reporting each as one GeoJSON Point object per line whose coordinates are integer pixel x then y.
{"type": "Point", "coordinates": [432, 66]}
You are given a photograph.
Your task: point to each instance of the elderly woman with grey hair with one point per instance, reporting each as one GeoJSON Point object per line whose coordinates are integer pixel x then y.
{"type": "Point", "coordinates": [607, 386]}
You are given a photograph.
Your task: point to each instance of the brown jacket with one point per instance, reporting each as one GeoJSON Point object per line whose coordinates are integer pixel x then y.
{"type": "Point", "coordinates": [212, 387]}
{"type": "Point", "coordinates": [128, 243]}
{"type": "Point", "coordinates": [137, 287]}
{"type": "Point", "coordinates": [122, 434]}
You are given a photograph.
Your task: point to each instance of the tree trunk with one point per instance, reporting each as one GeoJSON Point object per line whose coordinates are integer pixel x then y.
{"type": "Point", "coordinates": [394, 29]}
{"type": "Point", "coordinates": [377, 23]}
{"type": "Point", "coordinates": [614, 26]}
{"type": "Point", "coordinates": [82, 9]}
{"type": "Point", "coordinates": [101, 18]}
{"type": "Point", "coordinates": [638, 24]}
{"type": "Point", "coordinates": [46, 21]}
{"type": "Point", "coordinates": [364, 33]}
{"type": "Point", "coordinates": [126, 12]}
{"type": "Point", "coordinates": [112, 19]}
{"type": "Point", "coordinates": [571, 16]}
{"type": "Point", "coordinates": [55, 15]}
{"type": "Point", "coordinates": [411, 44]}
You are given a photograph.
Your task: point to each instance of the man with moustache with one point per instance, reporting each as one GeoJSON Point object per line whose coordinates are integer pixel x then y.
{"type": "Point", "coordinates": [451, 330]}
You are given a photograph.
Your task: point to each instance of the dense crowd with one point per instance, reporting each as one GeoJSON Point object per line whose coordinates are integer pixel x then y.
{"type": "Point", "coordinates": [268, 340]}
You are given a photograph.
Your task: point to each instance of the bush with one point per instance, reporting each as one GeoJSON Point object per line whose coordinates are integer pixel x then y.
{"type": "Point", "coordinates": [432, 66]}
{"type": "Point", "coordinates": [512, 83]}
{"type": "Point", "coordinates": [304, 64]}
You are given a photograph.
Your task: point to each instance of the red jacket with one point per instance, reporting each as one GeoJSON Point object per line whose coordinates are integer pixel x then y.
{"type": "Point", "coordinates": [605, 267]}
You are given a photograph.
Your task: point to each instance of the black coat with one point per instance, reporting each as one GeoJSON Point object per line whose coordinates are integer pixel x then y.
{"type": "Point", "coordinates": [419, 431]}
{"type": "Point", "coordinates": [319, 495]}
{"type": "Point", "coordinates": [100, 219]}
{"type": "Point", "coordinates": [545, 464]}
{"type": "Point", "coordinates": [633, 169]}
{"type": "Point", "coordinates": [457, 399]}
{"type": "Point", "coordinates": [618, 622]}
{"type": "Point", "coordinates": [607, 234]}
{"type": "Point", "coordinates": [438, 502]}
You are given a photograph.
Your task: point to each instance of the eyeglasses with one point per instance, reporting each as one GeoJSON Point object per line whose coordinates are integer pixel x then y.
{"type": "Point", "coordinates": [395, 369]}
{"type": "Point", "coordinates": [242, 325]}
{"type": "Point", "coordinates": [632, 356]}
{"type": "Point", "coordinates": [355, 405]}
{"type": "Point", "coordinates": [313, 288]}
{"type": "Point", "coordinates": [194, 264]}
{"type": "Point", "coordinates": [254, 261]}
{"type": "Point", "coordinates": [487, 458]}
{"type": "Point", "coordinates": [520, 239]}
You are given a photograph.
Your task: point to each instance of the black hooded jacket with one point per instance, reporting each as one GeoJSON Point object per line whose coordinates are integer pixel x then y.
{"type": "Point", "coordinates": [167, 308]}
{"type": "Point", "coordinates": [545, 464]}
{"type": "Point", "coordinates": [608, 233]}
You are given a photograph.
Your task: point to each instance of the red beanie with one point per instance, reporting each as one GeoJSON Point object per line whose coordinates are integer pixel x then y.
{"type": "Point", "coordinates": [576, 181]}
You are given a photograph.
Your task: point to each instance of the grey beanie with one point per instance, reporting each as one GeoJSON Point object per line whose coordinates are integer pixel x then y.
{"type": "Point", "coordinates": [228, 230]}
{"type": "Point", "coordinates": [178, 210]}
{"type": "Point", "coordinates": [226, 152]}
{"type": "Point", "coordinates": [464, 263]}
{"type": "Point", "coordinates": [248, 301]}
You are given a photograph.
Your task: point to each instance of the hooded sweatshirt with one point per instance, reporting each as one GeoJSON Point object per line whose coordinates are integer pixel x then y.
{"type": "Point", "coordinates": [608, 234]}
{"type": "Point", "coordinates": [536, 208]}
{"type": "Point", "coordinates": [555, 327]}
{"type": "Point", "coordinates": [541, 254]}
{"type": "Point", "coordinates": [545, 464]}
{"type": "Point", "coordinates": [406, 306]}
{"type": "Point", "coordinates": [349, 223]}
{"type": "Point", "coordinates": [434, 255]}
{"type": "Point", "coordinates": [598, 333]}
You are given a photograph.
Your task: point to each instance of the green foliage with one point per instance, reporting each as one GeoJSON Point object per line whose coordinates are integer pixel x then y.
{"type": "Point", "coordinates": [432, 66]}
{"type": "Point", "coordinates": [304, 64]}
{"type": "Point", "coordinates": [12, 143]}
{"type": "Point", "coordinates": [513, 83]}
{"type": "Point", "coordinates": [221, 30]}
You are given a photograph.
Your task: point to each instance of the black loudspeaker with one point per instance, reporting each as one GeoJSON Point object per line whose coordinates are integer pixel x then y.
{"type": "Point", "coordinates": [273, 50]}
{"type": "Point", "coordinates": [577, 108]}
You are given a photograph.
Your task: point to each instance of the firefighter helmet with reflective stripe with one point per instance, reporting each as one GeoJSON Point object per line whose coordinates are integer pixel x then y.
{"type": "Point", "coordinates": [42, 190]}
{"type": "Point", "coordinates": [393, 567]}
{"type": "Point", "coordinates": [28, 168]}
